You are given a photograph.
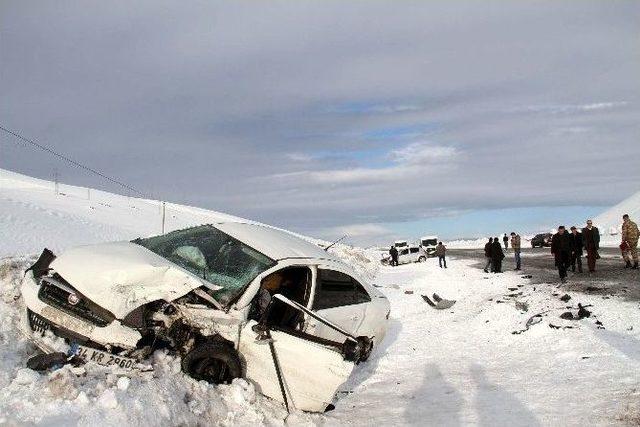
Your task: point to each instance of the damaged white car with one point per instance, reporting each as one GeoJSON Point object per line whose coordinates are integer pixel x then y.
{"type": "Point", "coordinates": [232, 299]}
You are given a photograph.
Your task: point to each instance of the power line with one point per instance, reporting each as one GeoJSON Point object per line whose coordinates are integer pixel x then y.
{"type": "Point", "coordinates": [71, 161]}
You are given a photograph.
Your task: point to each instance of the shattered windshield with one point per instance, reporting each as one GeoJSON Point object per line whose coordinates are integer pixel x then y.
{"type": "Point", "coordinates": [213, 255]}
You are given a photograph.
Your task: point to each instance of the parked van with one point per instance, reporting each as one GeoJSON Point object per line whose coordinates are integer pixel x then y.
{"type": "Point", "coordinates": [428, 244]}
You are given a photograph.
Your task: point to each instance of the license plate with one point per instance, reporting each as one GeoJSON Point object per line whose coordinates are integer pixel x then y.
{"type": "Point", "coordinates": [89, 354]}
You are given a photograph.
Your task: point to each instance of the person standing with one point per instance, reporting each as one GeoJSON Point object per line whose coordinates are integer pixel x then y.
{"type": "Point", "coordinates": [591, 243]}
{"type": "Point", "coordinates": [630, 240]}
{"type": "Point", "coordinates": [496, 256]}
{"type": "Point", "coordinates": [561, 250]}
{"type": "Point", "coordinates": [505, 239]}
{"type": "Point", "coordinates": [441, 251]}
{"type": "Point", "coordinates": [487, 254]}
{"type": "Point", "coordinates": [394, 256]}
{"type": "Point", "coordinates": [576, 249]}
{"type": "Point", "coordinates": [515, 244]}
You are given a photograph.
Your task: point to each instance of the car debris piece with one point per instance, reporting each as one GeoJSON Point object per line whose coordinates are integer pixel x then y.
{"type": "Point", "coordinates": [439, 304]}
{"type": "Point", "coordinates": [552, 326]}
{"type": "Point", "coordinates": [583, 312]}
{"type": "Point", "coordinates": [523, 306]}
{"type": "Point", "coordinates": [408, 292]}
{"type": "Point", "coordinates": [46, 361]}
{"type": "Point", "coordinates": [533, 320]}
{"type": "Point", "coordinates": [565, 298]}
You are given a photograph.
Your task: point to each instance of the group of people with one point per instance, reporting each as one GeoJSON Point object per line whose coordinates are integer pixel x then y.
{"type": "Point", "coordinates": [494, 253]}
{"type": "Point", "coordinates": [569, 247]}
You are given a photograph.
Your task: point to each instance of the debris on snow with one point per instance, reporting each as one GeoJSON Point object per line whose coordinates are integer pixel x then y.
{"type": "Point", "coordinates": [565, 298]}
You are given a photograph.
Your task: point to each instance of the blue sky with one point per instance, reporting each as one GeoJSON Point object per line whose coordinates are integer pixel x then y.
{"type": "Point", "coordinates": [377, 119]}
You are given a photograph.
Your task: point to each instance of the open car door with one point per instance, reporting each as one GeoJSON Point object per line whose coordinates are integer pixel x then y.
{"type": "Point", "coordinates": [311, 372]}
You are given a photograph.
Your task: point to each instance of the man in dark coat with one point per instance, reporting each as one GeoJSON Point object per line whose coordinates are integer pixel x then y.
{"type": "Point", "coordinates": [561, 246]}
{"type": "Point", "coordinates": [505, 239]}
{"type": "Point", "coordinates": [496, 256]}
{"type": "Point", "coordinates": [487, 254]}
{"type": "Point", "coordinates": [591, 243]}
{"type": "Point", "coordinates": [576, 250]}
{"type": "Point", "coordinates": [394, 256]}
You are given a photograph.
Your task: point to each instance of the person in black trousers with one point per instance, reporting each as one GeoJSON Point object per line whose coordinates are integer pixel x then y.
{"type": "Point", "coordinates": [487, 254]}
{"type": "Point", "coordinates": [561, 246]}
{"type": "Point", "coordinates": [496, 256]}
{"type": "Point", "coordinates": [394, 256]}
{"type": "Point", "coordinates": [576, 249]}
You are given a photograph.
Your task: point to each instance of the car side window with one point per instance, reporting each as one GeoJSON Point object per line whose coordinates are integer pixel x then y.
{"type": "Point", "coordinates": [404, 252]}
{"type": "Point", "coordinates": [336, 289]}
{"type": "Point", "coordinates": [414, 250]}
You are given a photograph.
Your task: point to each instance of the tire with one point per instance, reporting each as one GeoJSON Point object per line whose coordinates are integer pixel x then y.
{"type": "Point", "coordinates": [214, 362]}
{"type": "Point", "coordinates": [422, 259]}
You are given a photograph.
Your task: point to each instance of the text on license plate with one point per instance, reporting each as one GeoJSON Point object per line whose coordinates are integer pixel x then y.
{"type": "Point", "coordinates": [89, 354]}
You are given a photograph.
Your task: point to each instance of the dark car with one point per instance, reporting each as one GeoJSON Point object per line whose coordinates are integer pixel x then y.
{"type": "Point", "coordinates": [541, 240]}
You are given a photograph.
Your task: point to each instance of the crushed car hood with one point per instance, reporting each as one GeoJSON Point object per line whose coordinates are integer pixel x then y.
{"type": "Point", "coordinates": [122, 276]}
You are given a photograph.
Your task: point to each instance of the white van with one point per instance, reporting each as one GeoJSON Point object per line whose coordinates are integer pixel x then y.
{"type": "Point", "coordinates": [428, 245]}
{"type": "Point", "coordinates": [411, 254]}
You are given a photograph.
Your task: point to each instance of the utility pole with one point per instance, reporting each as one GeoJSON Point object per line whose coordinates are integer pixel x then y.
{"type": "Point", "coordinates": [55, 180]}
{"type": "Point", "coordinates": [164, 212]}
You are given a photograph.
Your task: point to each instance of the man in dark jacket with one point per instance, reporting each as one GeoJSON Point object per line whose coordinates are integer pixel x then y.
{"type": "Point", "coordinates": [591, 242]}
{"type": "Point", "coordinates": [496, 256]}
{"type": "Point", "coordinates": [441, 251]}
{"type": "Point", "coordinates": [576, 250]}
{"type": "Point", "coordinates": [394, 256]}
{"type": "Point", "coordinates": [487, 254]}
{"type": "Point", "coordinates": [505, 239]}
{"type": "Point", "coordinates": [561, 249]}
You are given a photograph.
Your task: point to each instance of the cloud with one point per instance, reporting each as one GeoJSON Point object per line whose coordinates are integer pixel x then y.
{"type": "Point", "coordinates": [311, 115]}
{"type": "Point", "coordinates": [421, 152]}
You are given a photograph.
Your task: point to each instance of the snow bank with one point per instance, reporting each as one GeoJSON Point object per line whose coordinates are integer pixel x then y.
{"type": "Point", "coordinates": [610, 222]}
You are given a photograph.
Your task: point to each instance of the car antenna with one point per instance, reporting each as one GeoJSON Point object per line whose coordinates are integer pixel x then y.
{"type": "Point", "coordinates": [335, 243]}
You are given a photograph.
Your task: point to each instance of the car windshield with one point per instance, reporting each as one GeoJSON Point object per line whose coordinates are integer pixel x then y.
{"type": "Point", "coordinates": [429, 242]}
{"type": "Point", "coordinates": [213, 255]}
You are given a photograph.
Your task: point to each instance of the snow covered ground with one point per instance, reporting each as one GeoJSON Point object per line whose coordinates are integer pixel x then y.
{"type": "Point", "coordinates": [450, 367]}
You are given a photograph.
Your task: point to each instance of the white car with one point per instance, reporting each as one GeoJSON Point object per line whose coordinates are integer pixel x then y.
{"type": "Point", "coordinates": [232, 299]}
{"type": "Point", "coordinates": [411, 254]}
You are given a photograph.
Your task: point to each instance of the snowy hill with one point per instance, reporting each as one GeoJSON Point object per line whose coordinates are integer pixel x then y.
{"type": "Point", "coordinates": [610, 222]}
{"type": "Point", "coordinates": [33, 216]}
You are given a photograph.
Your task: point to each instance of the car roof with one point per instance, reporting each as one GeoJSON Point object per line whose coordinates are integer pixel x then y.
{"type": "Point", "coordinates": [274, 243]}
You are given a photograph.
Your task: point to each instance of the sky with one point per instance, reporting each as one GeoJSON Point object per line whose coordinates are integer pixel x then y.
{"type": "Point", "coordinates": [374, 119]}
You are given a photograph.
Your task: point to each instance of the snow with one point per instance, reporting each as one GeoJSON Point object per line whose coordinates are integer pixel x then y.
{"type": "Point", "coordinates": [438, 367]}
{"type": "Point", "coordinates": [610, 221]}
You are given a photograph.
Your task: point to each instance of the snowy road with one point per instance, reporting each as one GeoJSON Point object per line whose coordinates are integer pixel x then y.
{"type": "Point", "coordinates": [464, 365]}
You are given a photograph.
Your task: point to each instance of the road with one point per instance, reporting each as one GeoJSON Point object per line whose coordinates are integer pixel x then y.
{"type": "Point", "coordinates": [610, 278]}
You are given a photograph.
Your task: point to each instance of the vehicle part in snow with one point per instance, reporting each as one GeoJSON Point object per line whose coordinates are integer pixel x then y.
{"type": "Point", "coordinates": [600, 325]}
{"type": "Point", "coordinates": [552, 326]}
{"type": "Point", "coordinates": [46, 361]}
{"type": "Point", "coordinates": [522, 306]}
{"type": "Point", "coordinates": [583, 312]}
{"type": "Point", "coordinates": [567, 315]}
{"type": "Point", "coordinates": [408, 292]}
{"type": "Point", "coordinates": [41, 266]}
{"type": "Point", "coordinates": [366, 346]}
{"type": "Point", "coordinates": [565, 298]}
{"type": "Point", "coordinates": [214, 361]}
{"type": "Point", "coordinates": [533, 320]}
{"type": "Point", "coordinates": [276, 364]}
{"type": "Point", "coordinates": [439, 304]}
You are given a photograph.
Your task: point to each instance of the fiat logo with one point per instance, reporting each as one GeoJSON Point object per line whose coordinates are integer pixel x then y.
{"type": "Point", "coordinates": [73, 299]}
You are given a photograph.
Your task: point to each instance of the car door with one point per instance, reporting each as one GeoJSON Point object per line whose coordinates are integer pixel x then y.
{"type": "Point", "coordinates": [311, 372]}
{"type": "Point", "coordinates": [414, 254]}
{"type": "Point", "coordinates": [339, 298]}
{"type": "Point", "coordinates": [403, 256]}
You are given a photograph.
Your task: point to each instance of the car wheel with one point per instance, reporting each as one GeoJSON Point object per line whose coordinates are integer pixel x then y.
{"type": "Point", "coordinates": [214, 362]}
{"type": "Point", "coordinates": [422, 259]}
